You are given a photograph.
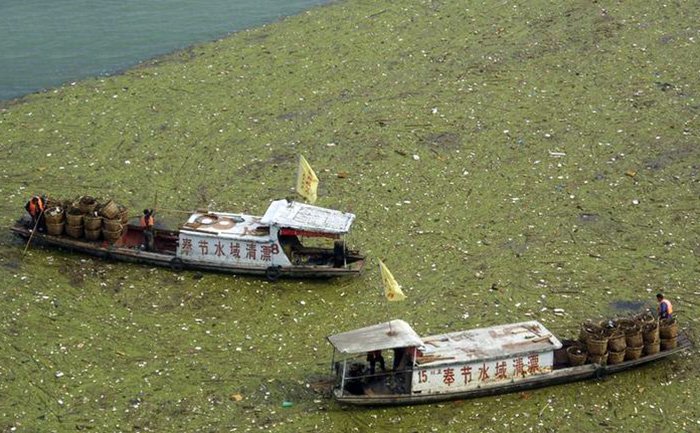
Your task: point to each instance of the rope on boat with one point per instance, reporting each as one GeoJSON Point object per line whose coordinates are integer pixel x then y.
{"type": "Point", "coordinates": [174, 210]}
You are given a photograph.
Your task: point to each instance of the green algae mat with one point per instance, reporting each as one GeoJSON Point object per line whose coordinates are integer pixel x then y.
{"type": "Point", "coordinates": [507, 161]}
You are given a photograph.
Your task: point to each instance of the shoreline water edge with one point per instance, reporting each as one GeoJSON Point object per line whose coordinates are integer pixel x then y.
{"type": "Point", "coordinates": [62, 45]}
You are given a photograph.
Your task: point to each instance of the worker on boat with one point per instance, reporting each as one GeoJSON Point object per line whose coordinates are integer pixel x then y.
{"type": "Point", "coordinates": [147, 223]}
{"type": "Point", "coordinates": [373, 357]}
{"type": "Point", "coordinates": [665, 307]}
{"type": "Point", "coordinates": [399, 362]}
{"type": "Point", "coordinates": [36, 207]}
{"type": "Point", "coordinates": [402, 374]}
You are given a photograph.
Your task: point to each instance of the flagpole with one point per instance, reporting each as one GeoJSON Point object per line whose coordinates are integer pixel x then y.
{"type": "Point", "coordinates": [386, 302]}
{"type": "Point", "coordinates": [388, 314]}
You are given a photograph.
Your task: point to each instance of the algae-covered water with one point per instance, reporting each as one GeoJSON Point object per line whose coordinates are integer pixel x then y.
{"type": "Point", "coordinates": [503, 159]}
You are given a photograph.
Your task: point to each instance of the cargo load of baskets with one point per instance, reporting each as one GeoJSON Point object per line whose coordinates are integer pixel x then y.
{"type": "Point", "coordinates": [613, 341]}
{"type": "Point", "coordinates": [86, 218]}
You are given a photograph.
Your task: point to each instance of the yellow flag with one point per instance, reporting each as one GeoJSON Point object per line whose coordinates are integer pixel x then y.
{"type": "Point", "coordinates": [392, 290]}
{"type": "Point", "coordinates": [307, 182]}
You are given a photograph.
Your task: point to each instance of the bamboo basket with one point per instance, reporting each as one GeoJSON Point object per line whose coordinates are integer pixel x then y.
{"type": "Point", "coordinates": [668, 343]}
{"type": "Point", "coordinates": [650, 333]}
{"type": "Point", "coordinates": [54, 215]}
{"type": "Point", "coordinates": [616, 357]}
{"type": "Point", "coordinates": [87, 204]}
{"type": "Point", "coordinates": [55, 229]}
{"type": "Point", "coordinates": [92, 234]}
{"type": "Point", "coordinates": [112, 225]}
{"type": "Point", "coordinates": [617, 342]}
{"type": "Point", "coordinates": [124, 214]}
{"type": "Point", "coordinates": [112, 235]}
{"type": "Point", "coordinates": [74, 220]}
{"type": "Point", "coordinates": [625, 323]}
{"type": "Point", "coordinates": [110, 210]}
{"type": "Point", "coordinates": [652, 348]}
{"type": "Point", "coordinates": [597, 345]}
{"type": "Point", "coordinates": [589, 330]}
{"type": "Point", "coordinates": [74, 231]}
{"type": "Point", "coordinates": [92, 222]}
{"type": "Point", "coordinates": [633, 352]}
{"type": "Point", "coordinates": [668, 328]}
{"type": "Point", "coordinates": [577, 355]}
{"type": "Point", "coordinates": [633, 337]}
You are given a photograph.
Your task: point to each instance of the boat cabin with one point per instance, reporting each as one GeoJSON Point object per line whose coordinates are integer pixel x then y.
{"type": "Point", "coordinates": [273, 240]}
{"type": "Point", "coordinates": [444, 364]}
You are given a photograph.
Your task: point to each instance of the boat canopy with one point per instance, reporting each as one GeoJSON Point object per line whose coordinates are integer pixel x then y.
{"type": "Point", "coordinates": [388, 335]}
{"type": "Point", "coordinates": [307, 218]}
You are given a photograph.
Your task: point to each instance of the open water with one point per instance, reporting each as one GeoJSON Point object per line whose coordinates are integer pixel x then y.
{"type": "Point", "coordinates": [44, 43]}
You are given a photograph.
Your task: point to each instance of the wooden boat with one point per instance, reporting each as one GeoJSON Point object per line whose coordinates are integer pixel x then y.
{"type": "Point", "coordinates": [459, 365]}
{"type": "Point", "coordinates": [270, 245]}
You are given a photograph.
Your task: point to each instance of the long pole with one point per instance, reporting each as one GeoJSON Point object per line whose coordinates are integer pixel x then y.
{"type": "Point", "coordinates": [26, 247]}
{"type": "Point", "coordinates": [176, 210]}
{"type": "Point", "coordinates": [386, 301]}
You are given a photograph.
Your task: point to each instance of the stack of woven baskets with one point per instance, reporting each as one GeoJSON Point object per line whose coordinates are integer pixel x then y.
{"type": "Point", "coordinates": [595, 338]}
{"type": "Point", "coordinates": [668, 331]}
{"type": "Point", "coordinates": [622, 339]}
{"type": "Point", "coordinates": [86, 218]}
{"type": "Point", "coordinates": [634, 343]}
{"type": "Point", "coordinates": [112, 226]}
{"type": "Point", "coordinates": [650, 333]}
{"type": "Point", "coordinates": [55, 218]}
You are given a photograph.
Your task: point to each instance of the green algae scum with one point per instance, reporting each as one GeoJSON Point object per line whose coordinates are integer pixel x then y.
{"type": "Point", "coordinates": [508, 161]}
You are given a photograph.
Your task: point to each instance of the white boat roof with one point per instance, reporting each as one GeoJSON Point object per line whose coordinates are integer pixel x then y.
{"type": "Point", "coordinates": [225, 226]}
{"type": "Point", "coordinates": [480, 344]}
{"type": "Point", "coordinates": [301, 216]}
{"type": "Point", "coordinates": [388, 335]}
{"type": "Point", "coordinates": [500, 341]}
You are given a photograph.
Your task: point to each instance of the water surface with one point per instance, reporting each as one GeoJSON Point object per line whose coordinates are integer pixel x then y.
{"type": "Point", "coordinates": [47, 43]}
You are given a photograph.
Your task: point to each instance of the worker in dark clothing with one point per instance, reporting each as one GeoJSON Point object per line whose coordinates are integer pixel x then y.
{"type": "Point", "coordinates": [147, 223]}
{"type": "Point", "coordinates": [402, 375]}
{"type": "Point", "coordinates": [399, 362]}
{"type": "Point", "coordinates": [373, 357]}
{"type": "Point", "coordinates": [36, 207]}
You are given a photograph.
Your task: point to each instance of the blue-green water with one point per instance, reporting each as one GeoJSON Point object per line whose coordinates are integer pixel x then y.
{"type": "Point", "coordinates": [44, 43]}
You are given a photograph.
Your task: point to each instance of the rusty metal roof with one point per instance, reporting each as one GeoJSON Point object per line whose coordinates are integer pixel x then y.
{"type": "Point", "coordinates": [388, 335]}
{"type": "Point", "coordinates": [303, 216]}
{"type": "Point", "coordinates": [488, 343]}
